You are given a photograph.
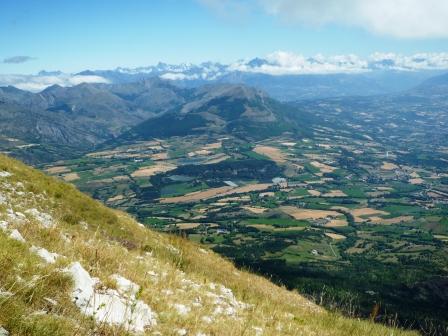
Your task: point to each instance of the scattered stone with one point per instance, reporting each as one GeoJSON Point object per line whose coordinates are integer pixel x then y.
{"type": "Point", "coordinates": [109, 306]}
{"type": "Point", "coordinates": [5, 174]}
{"type": "Point", "coordinates": [181, 332]}
{"type": "Point", "coordinates": [4, 332]}
{"type": "Point", "coordinates": [17, 236]}
{"type": "Point", "coordinates": [49, 257]}
{"type": "Point", "coordinates": [43, 218]}
{"type": "Point", "coordinates": [125, 286]}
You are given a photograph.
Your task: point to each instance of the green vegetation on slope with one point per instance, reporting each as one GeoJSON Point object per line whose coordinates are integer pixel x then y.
{"type": "Point", "coordinates": [187, 287]}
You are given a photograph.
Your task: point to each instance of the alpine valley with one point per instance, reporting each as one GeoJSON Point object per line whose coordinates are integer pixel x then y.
{"type": "Point", "coordinates": [333, 185]}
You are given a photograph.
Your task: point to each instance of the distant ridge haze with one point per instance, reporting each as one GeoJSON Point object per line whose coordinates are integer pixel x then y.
{"type": "Point", "coordinates": [279, 64]}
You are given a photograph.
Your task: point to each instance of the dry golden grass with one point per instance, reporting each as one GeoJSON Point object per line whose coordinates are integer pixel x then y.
{"type": "Point", "coordinates": [170, 270]}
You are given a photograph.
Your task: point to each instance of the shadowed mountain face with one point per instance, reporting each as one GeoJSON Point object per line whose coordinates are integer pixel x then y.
{"type": "Point", "coordinates": [223, 109]}
{"type": "Point", "coordinates": [435, 86]}
{"type": "Point", "coordinates": [83, 116]}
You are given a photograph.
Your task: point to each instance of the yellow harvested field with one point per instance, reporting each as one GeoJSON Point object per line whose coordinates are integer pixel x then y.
{"type": "Point", "coordinates": [214, 192]}
{"type": "Point", "coordinates": [248, 188]}
{"type": "Point", "coordinates": [334, 193]}
{"type": "Point", "coordinates": [197, 195]}
{"type": "Point", "coordinates": [336, 223]}
{"type": "Point", "coordinates": [160, 156]}
{"type": "Point", "coordinates": [105, 154]}
{"type": "Point", "coordinates": [387, 221]}
{"type": "Point", "coordinates": [335, 236]}
{"type": "Point", "coordinates": [416, 180]}
{"type": "Point", "coordinates": [359, 213]}
{"type": "Point", "coordinates": [255, 210]}
{"type": "Point", "coordinates": [322, 167]}
{"type": "Point", "coordinates": [217, 159]}
{"type": "Point", "coordinates": [57, 170]}
{"type": "Point", "coordinates": [273, 153]}
{"type": "Point", "coordinates": [187, 226]}
{"type": "Point", "coordinates": [214, 145]}
{"type": "Point", "coordinates": [266, 227]}
{"type": "Point", "coordinates": [200, 152]}
{"type": "Point", "coordinates": [115, 198]}
{"type": "Point", "coordinates": [71, 177]}
{"type": "Point", "coordinates": [288, 144]}
{"type": "Point", "coordinates": [313, 192]}
{"type": "Point", "coordinates": [121, 178]}
{"type": "Point", "coordinates": [441, 237]}
{"type": "Point", "coordinates": [153, 170]}
{"type": "Point", "coordinates": [389, 166]}
{"type": "Point", "coordinates": [299, 213]}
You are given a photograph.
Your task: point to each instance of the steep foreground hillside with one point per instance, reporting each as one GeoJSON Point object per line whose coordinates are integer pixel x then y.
{"type": "Point", "coordinates": [70, 266]}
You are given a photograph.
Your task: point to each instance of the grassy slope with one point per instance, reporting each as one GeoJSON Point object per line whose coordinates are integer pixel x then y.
{"type": "Point", "coordinates": [106, 242]}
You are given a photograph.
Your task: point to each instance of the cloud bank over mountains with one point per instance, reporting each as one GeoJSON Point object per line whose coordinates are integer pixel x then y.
{"type": "Point", "coordinates": [43, 79]}
{"type": "Point", "coordinates": [396, 18]}
{"type": "Point", "coordinates": [276, 64]}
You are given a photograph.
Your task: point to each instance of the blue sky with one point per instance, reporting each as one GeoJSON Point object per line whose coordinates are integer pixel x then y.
{"type": "Point", "coordinates": [71, 35]}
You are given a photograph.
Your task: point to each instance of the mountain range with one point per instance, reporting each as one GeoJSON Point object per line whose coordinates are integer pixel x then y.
{"type": "Point", "coordinates": [62, 121]}
{"type": "Point", "coordinates": [284, 76]}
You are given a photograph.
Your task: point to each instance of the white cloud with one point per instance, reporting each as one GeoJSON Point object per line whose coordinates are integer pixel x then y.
{"type": "Point", "coordinates": [287, 63]}
{"type": "Point", "coordinates": [36, 83]}
{"type": "Point", "coordinates": [397, 18]}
